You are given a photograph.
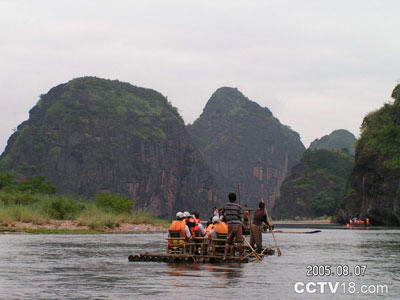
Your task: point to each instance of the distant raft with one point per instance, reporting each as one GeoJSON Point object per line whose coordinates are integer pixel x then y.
{"type": "Point", "coordinates": [358, 223]}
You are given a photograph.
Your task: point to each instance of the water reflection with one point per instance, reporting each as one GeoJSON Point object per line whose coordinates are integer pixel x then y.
{"type": "Point", "coordinates": [183, 270]}
{"type": "Point", "coordinates": [211, 275]}
{"type": "Point", "coordinates": [231, 272]}
{"type": "Point", "coordinates": [198, 270]}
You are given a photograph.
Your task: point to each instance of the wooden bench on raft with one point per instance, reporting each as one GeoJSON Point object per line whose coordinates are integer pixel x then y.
{"type": "Point", "coordinates": [175, 243]}
{"type": "Point", "coordinates": [180, 245]}
{"type": "Point", "coordinates": [218, 245]}
{"type": "Point", "coordinates": [198, 245]}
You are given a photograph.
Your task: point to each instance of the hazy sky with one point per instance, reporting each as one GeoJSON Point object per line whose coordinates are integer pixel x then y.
{"type": "Point", "coordinates": [318, 65]}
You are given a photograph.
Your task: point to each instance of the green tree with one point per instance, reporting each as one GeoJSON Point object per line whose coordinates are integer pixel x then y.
{"type": "Point", "coordinates": [63, 208]}
{"type": "Point", "coordinates": [113, 203]}
{"type": "Point", "coordinates": [36, 184]}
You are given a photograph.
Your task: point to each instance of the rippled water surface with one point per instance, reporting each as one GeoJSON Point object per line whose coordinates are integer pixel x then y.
{"type": "Point", "coordinates": [97, 267]}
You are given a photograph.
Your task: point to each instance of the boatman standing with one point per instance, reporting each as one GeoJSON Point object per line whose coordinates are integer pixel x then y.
{"type": "Point", "coordinates": [233, 214]}
{"type": "Point", "coordinates": [259, 220]}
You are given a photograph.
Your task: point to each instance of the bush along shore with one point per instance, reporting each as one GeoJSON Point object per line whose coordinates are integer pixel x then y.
{"type": "Point", "coordinates": [31, 206]}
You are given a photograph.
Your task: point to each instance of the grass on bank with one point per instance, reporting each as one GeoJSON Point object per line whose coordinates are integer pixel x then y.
{"type": "Point", "coordinates": [96, 218]}
{"type": "Point", "coordinates": [103, 211]}
{"type": "Point", "coordinates": [9, 215]}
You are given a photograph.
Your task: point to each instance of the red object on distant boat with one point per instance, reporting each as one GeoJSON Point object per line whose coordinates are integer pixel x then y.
{"type": "Point", "coordinates": [356, 222]}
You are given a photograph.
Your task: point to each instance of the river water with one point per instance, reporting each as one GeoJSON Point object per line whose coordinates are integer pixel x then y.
{"type": "Point", "coordinates": [97, 267]}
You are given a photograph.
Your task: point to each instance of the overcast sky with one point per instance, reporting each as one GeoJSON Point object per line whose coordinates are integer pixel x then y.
{"type": "Point", "coordinates": [318, 65]}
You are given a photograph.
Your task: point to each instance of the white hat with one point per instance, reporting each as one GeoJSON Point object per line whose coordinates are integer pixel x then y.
{"type": "Point", "coordinates": [215, 219]}
{"type": "Point", "coordinates": [179, 214]}
{"type": "Point", "coordinates": [186, 214]}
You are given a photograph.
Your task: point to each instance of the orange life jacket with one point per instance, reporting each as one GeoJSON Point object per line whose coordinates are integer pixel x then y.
{"type": "Point", "coordinates": [178, 225]}
{"type": "Point", "coordinates": [197, 227]}
{"type": "Point", "coordinates": [221, 228]}
{"type": "Point", "coordinates": [194, 229]}
{"type": "Point", "coordinates": [210, 227]}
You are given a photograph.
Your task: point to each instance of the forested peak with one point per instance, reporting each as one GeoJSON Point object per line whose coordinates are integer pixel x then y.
{"type": "Point", "coordinates": [328, 160]}
{"type": "Point", "coordinates": [396, 93]}
{"type": "Point", "coordinates": [100, 86]}
{"type": "Point", "coordinates": [228, 100]}
{"type": "Point", "coordinates": [226, 93]}
{"type": "Point", "coordinates": [101, 83]}
{"type": "Point", "coordinates": [243, 142]}
{"type": "Point", "coordinates": [98, 96]}
{"type": "Point", "coordinates": [342, 132]}
{"type": "Point", "coordinates": [337, 140]}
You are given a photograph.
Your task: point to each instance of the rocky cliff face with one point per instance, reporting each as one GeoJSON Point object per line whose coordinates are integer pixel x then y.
{"type": "Point", "coordinates": [374, 185]}
{"type": "Point", "coordinates": [243, 143]}
{"type": "Point", "coordinates": [336, 141]}
{"type": "Point", "coordinates": [316, 185]}
{"type": "Point", "coordinates": [93, 134]}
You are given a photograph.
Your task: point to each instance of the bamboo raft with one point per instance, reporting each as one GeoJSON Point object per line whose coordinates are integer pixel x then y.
{"type": "Point", "coordinates": [199, 250]}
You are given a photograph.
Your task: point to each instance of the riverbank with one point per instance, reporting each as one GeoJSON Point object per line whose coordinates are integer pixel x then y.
{"type": "Point", "coordinates": [74, 227]}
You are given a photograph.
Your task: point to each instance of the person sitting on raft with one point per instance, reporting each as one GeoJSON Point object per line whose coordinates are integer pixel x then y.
{"type": "Point", "coordinates": [186, 216]}
{"type": "Point", "coordinates": [209, 227]}
{"type": "Point", "coordinates": [194, 227]}
{"type": "Point", "coordinates": [197, 220]}
{"type": "Point", "coordinates": [179, 224]}
{"type": "Point", "coordinates": [218, 227]}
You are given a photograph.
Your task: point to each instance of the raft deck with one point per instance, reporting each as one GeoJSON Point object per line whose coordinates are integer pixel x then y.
{"type": "Point", "coordinates": [193, 258]}
{"type": "Point", "coordinates": [186, 258]}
